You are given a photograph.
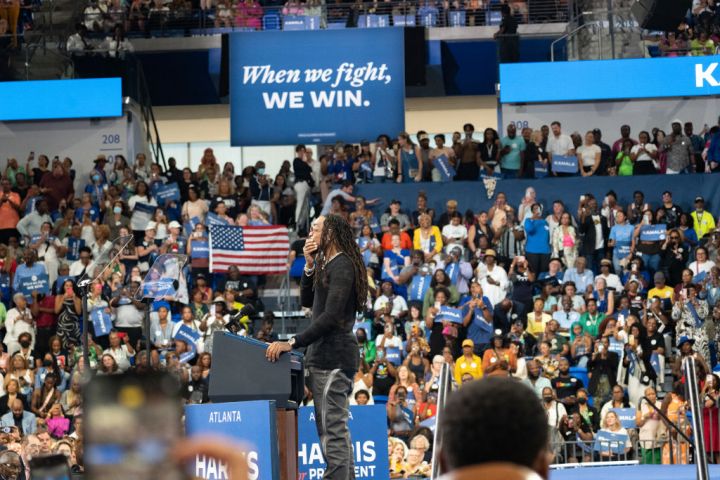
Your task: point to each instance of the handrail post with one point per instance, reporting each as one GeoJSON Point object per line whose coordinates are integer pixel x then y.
{"type": "Point", "coordinates": [691, 384]}
{"type": "Point", "coordinates": [443, 393]}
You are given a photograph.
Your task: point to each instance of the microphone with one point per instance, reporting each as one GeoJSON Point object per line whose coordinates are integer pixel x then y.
{"type": "Point", "coordinates": [245, 311]}
{"type": "Point", "coordinates": [234, 324]}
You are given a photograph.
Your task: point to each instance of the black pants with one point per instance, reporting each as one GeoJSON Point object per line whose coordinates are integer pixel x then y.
{"type": "Point", "coordinates": [538, 262]}
{"type": "Point", "coordinates": [330, 390]}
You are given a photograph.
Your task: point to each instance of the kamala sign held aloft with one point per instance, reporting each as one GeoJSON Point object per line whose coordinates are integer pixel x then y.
{"type": "Point", "coordinates": [316, 86]}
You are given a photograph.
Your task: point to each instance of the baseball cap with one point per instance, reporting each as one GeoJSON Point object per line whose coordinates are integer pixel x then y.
{"type": "Point", "coordinates": [659, 277]}
{"type": "Point", "coordinates": [395, 200]}
{"type": "Point", "coordinates": [490, 253]}
{"type": "Point", "coordinates": [677, 120]}
{"type": "Point", "coordinates": [699, 199]}
{"type": "Point", "coordinates": [684, 339]}
{"type": "Point", "coordinates": [468, 343]}
{"type": "Point", "coordinates": [151, 226]}
{"type": "Point", "coordinates": [605, 261]}
{"type": "Point", "coordinates": [174, 224]}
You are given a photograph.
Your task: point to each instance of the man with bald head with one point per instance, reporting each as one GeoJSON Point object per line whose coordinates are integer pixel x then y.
{"type": "Point", "coordinates": [19, 417]}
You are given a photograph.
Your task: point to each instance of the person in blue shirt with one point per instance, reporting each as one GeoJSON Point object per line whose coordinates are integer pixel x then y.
{"type": "Point", "coordinates": [477, 311]}
{"type": "Point", "coordinates": [28, 269]}
{"type": "Point", "coordinates": [537, 246]}
{"type": "Point", "coordinates": [713, 154]}
{"type": "Point", "coordinates": [96, 188]}
{"type": "Point", "coordinates": [511, 153]}
{"type": "Point", "coordinates": [620, 240]}
{"type": "Point", "coordinates": [579, 275]}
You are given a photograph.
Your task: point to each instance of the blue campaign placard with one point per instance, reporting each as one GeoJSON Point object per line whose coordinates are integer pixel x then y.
{"type": "Point", "coordinates": [626, 416]}
{"type": "Point", "coordinates": [315, 86]}
{"type": "Point", "coordinates": [449, 314]}
{"type": "Point", "coordinates": [447, 171]}
{"type": "Point", "coordinates": [368, 433]}
{"type": "Point", "coordinates": [169, 192]}
{"type": "Point", "coordinates": [418, 287]}
{"type": "Point", "coordinates": [144, 208]}
{"type": "Point", "coordinates": [214, 219]}
{"type": "Point", "coordinates": [609, 442]}
{"type": "Point", "coordinates": [34, 282]}
{"type": "Point", "coordinates": [74, 245]}
{"type": "Point", "coordinates": [610, 79]}
{"type": "Point", "coordinates": [564, 164]}
{"type": "Point", "coordinates": [393, 355]}
{"type": "Point", "coordinates": [199, 249]}
{"type": "Point", "coordinates": [251, 423]}
{"type": "Point", "coordinates": [101, 320]}
{"type": "Point", "coordinates": [653, 233]}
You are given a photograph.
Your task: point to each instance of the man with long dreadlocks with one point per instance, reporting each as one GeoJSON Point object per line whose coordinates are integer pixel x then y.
{"type": "Point", "coordinates": [335, 285]}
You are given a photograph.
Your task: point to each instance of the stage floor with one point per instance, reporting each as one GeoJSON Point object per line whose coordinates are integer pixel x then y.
{"type": "Point", "coordinates": [633, 472]}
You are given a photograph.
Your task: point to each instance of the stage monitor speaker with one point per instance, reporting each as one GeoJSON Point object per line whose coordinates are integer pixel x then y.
{"type": "Point", "coordinates": [415, 56]}
{"type": "Point", "coordinates": [663, 15]}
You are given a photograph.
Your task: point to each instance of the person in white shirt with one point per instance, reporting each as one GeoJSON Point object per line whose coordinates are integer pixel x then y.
{"type": "Point", "coordinates": [18, 320]}
{"type": "Point", "coordinates": [121, 352]}
{"type": "Point", "coordinates": [493, 279]}
{"type": "Point", "coordinates": [555, 410]}
{"type": "Point", "coordinates": [388, 339]}
{"type": "Point", "coordinates": [589, 156]}
{"type": "Point", "coordinates": [558, 143]}
{"type": "Point", "coordinates": [454, 234]}
{"type": "Point", "coordinates": [398, 305]}
{"type": "Point", "coordinates": [611, 280]}
{"type": "Point", "coordinates": [81, 266]}
{"type": "Point", "coordinates": [117, 45]}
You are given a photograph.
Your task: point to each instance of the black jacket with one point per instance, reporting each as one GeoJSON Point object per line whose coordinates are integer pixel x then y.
{"type": "Point", "coordinates": [329, 338]}
{"type": "Point", "coordinates": [587, 229]}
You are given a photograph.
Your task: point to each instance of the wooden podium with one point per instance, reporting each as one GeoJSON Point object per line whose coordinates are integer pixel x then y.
{"type": "Point", "coordinates": [240, 372]}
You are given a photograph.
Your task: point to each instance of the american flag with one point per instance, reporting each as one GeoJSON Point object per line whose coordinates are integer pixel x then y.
{"type": "Point", "coordinates": [254, 250]}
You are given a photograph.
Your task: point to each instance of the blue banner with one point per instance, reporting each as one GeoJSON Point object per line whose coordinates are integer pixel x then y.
{"type": "Point", "coordinates": [37, 238]}
{"type": "Point", "coordinates": [251, 423]}
{"type": "Point", "coordinates": [447, 171]}
{"type": "Point", "coordinates": [101, 320]}
{"type": "Point", "coordinates": [626, 416]}
{"type": "Point", "coordinates": [449, 314]}
{"type": "Point", "coordinates": [393, 355]}
{"type": "Point", "coordinates": [213, 219]}
{"type": "Point", "coordinates": [653, 233]}
{"type": "Point", "coordinates": [169, 192]}
{"type": "Point", "coordinates": [316, 87]}
{"type": "Point", "coordinates": [418, 287]}
{"type": "Point", "coordinates": [610, 79]}
{"type": "Point", "coordinates": [33, 283]}
{"type": "Point", "coordinates": [144, 208]}
{"type": "Point", "coordinates": [606, 441]}
{"type": "Point", "coordinates": [74, 245]}
{"type": "Point", "coordinates": [190, 337]}
{"type": "Point", "coordinates": [564, 164]}
{"type": "Point", "coordinates": [368, 432]}
{"type": "Point", "coordinates": [190, 226]}
{"type": "Point", "coordinates": [199, 249]}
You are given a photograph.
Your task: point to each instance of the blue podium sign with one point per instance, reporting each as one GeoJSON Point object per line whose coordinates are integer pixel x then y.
{"type": "Point", "coordinates": [368, 432]}
{"type": "Point", "coordinates": [251, 423]}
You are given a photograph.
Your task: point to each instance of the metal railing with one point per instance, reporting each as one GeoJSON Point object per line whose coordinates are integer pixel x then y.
{"type": "Point", "coordinates": [443, 393]}
{"type": "Point", "coordinates": [696, 407]}
{"type": "Point", "coordinates": [297, 16]}
{"type": "Point", "coordinates": [567, 38]}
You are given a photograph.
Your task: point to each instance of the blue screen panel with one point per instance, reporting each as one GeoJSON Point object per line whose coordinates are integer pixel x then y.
{"type": "Point", "coordinates": [60, 99]}
{"type": "Point", "coordinates": [609, 79]}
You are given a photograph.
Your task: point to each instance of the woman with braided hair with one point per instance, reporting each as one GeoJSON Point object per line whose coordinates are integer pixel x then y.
{"type": "Point", "coordinates": [335, 285]}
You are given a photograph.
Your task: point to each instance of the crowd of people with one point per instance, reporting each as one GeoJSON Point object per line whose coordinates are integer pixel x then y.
{"type": "Point", "coordinates": [147, 16]}
{"type": "Point", "coordinates": [698, 34]}
{"type": "Point", "coordinates": [530, 291]}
